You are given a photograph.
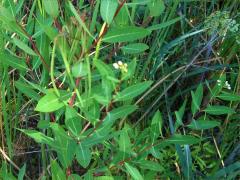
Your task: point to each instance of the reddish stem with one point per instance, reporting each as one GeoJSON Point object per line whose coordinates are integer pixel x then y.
{"type": "Point", "coordinates": [72, 100]}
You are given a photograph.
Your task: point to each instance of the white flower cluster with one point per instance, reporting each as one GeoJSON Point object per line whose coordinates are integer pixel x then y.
{"type": "Point", "coordinates": [120, 65]}
{"type": "Point", "coordinates": [226, 84]}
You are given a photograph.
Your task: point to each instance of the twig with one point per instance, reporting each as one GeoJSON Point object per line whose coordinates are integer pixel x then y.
{"type": "Point", "coordinates": [34, 47]}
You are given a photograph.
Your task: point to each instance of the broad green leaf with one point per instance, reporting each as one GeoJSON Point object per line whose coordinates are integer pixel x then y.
{"type": "Point", "coordinates": [9, 21]}
{"type": "Point", "coordinates": [24, 47]}
{"type": "Point", "coordinates": [228, 96]}
{"type": "Point", "coordinates": [104, 178]}
{"type": "Point", "coordinates": [73, 121]}
{"type": "Point", "coordinates": [203, 124]}
{"type": "Point", "coordinates": [219, 110]}
{"type": "Point", "coordinates": [182, 139]}
{"type": "Point", "coordinates": [118, 113]}
{"type": "Point", "coordinates": [100, 135]}
{"type": "Point", "coordinates": [179, 115]}
{"type": "Point", "coordinates": [134, 48]}
{"type": "Point", "coordinates": [37, 136]}
{"type": "Point", "coordinates": [101, 99]}
{"type": "Point", "coordinates": [125, 34]}
{"type": "Point", "coordinates": [74, 177]}
{"type": "Point", "coordinates": [64, 145]}
{"type": "Point", "coordinates": [197, 99]}
{"type": "Point", "coordinates": [92, 113]}
{"type": "Point", "coordinates": [50, 102]}
{"type": "Point", "coordinates": [27, 90]}
{"type": "Point", "coordinates": [108, 9]}
{"type": "Point", "coordinates": [156, 7]}
{"type": "Point", "coordinates": [6, 15]}
{"type": "Point", "coordinates": [122, 18]}
{"type": "Point", "coordinates": [51, 7]}
{"type": "Point", "coordinates": [164, 24]}
{"type": "Point", "coordinates": [132, 91]}
{"type": "Point", "coordinates": [133, 172]}
{"type": "Point", "coordinates": [150, 165]}
{"type": "Point", "coordinates": [56, 171]}
{"type": "Point", "coordinates": [13, 61]}
{"type": "Point", "coordinates": [43, 124]}
{"type": "Point", "coordinates": [156, 125]}
{"type": "Point", "coordinates": [83, 155]}
{"type": "Point", "coordinates": [124, 142]}
{"type": "Point", "coordinates": [79, 69]}
{"type": "Point", "coordinates": [50, 31]}
{"type": "Point", "coordinates": [155, 152]}
{"type": "Point", "coordinates": [131, 70]}
{"type": "Point", "coordinates": [103, 68]}
{"type": "Point", "coordinates": [226, 171]}
{"type": "Point", "coordinates": [218, 86]}
{"type": "Point", "coordinates": [107, 89]}
{"type": "Point", "coordinates": [22, 172]}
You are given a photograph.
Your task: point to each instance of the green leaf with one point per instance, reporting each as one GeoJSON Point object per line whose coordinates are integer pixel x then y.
{"type": "Point", "coordinates": [103, 68]}
{"type": "Point", "coordinates": [51, 7]}
{"type": "Point", "coordinates": [79, 69]}
{"type": "Point", "coordinates": [125, 143]}
{"type": "Point", "coordinates": [203, 124]}
{"type": "Point", "coordinates": [12, 61]}
{"type": "Point", "coordinates": [64, 145]}
{"type": "Point", "coordinates": [27, 90]}
{"type": "Point", "coordinates": [134, 48]}
{"type": "Point", "coordinates": [74, 177]}
{"type": "Point", "coordinates": [56, 171]}
{"type": "Point", "coordinates": [150, 165]}
{"type": "Point", "coordinates": [219, 110]}
{"type": "Point", "coordinates": [6, 15]}
{"type": "Point", "coordinates": [156, 125]}
{"type": "Point", "coordinates": [131, 70]}
{"type": "Point", "coordinates": [156, 7]}
{"type": "Point", "coordinates": [83, 155]}
{"type": "Point", "coordinates": [22, 172]}
{"type": "Point", "coordinates": [104, 178]}
{"type": "Point", "coordinates": [133, 172]}
{"type": "Point", "coordinates": [43, 124]}
{"type": "Point", "coordinates": [228, 96]}
{"type": "Point", "coordinates": [108, 9]}
{"type": "Point", "coordinates": [50, 102]}
{"type": "Point", "coordinates": [132, 91]}
{"type": "Point", "coordinates": [179, 115]}
{"type": "Point", "coordinates": [197, 99]}
{"type": "Point", "coordinates": [118, 113]}
{"type": "Point", "coordinates": [78, 18]}
{"type": "Point", "coordinates": [164, 24]}
{"type": "Point", "coordinates": [24, 47]}
{"type": "Point", "coordinates": [122, 18]}
{"type": "Point", "coordinates": [50, 31]}
{"type": "Point", "coordinates": [9, 21]}
{"type": "Point", "coordinates": [182, 139]}
{"type": "Point", "coordinates": [73, 121]}
{"type": "Point", "coordinates": [37, 136]}
{"type": "Point", "coordinates": [125, 34]}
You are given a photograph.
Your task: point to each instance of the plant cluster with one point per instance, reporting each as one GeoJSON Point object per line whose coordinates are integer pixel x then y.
{"type": "Point", "coordinates": [112, 89]}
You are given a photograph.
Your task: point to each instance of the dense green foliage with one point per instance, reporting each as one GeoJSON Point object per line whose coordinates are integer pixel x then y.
{"type": "Point", "coordinates": [107, 89]}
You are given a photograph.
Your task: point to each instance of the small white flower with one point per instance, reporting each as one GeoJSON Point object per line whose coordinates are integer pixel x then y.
{"type": "Point", "coordinates": [115, 65]}
{"type": "Point", "coordinates": [120, 63]}
{"type": "Point", "coordinates": [218, 80]}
